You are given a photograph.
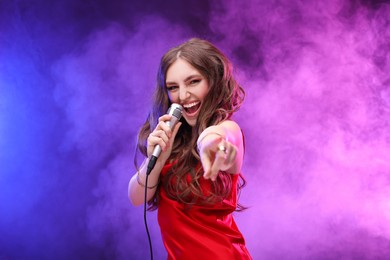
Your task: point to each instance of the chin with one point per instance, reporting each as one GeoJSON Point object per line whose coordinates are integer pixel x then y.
{"type": "Point", "coordinates": [191, 122]}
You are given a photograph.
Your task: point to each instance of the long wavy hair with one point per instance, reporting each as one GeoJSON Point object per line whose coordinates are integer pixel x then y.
{"type": "Point", "coordinates": [225, 96]}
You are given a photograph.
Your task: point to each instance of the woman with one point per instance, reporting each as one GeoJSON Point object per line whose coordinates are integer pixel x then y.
{"type": "Point", "coordinates": [195, 182]}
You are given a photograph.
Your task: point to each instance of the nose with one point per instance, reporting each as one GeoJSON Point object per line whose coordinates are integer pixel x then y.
{"type": "Point", "coordinates": [183, 93]}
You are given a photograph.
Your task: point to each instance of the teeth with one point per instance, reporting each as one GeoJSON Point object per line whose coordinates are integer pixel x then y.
{"type": "Point", "coordinates": [190, 105]}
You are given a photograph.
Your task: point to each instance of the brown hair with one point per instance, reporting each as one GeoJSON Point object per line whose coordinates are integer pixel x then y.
{"type": "Point", "coordinates": [225, 96]}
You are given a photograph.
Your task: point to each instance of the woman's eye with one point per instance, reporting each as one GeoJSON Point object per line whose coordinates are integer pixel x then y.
{"type": "Point", "coordinates": [195, 81]}
{"type": "Point", "coordinates": [170, 88]}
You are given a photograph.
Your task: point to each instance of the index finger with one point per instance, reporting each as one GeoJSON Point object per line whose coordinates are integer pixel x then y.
{"type": "Point", "coordinates": [217, 165]}
{"type": "Point", "coordinates": [206, 163]}
{"type": "Point", "coordinates": [163, 120]}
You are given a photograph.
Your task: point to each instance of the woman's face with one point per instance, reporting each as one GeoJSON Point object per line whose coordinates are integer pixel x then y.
{"type": "Point", "coordinates": [187, 87]}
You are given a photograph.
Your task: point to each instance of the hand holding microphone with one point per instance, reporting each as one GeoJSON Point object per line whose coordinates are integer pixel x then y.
{"type": "Point", "coordinates": [162, 137]}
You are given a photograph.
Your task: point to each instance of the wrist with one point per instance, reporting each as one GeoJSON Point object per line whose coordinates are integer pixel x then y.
{"type": "Point", "coordinates": [140, 183]}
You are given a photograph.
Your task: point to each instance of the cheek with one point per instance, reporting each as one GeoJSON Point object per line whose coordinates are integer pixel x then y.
{"type": "Point", "coordinates": [173, 97]}
{"type": "Point", "coordinates": [205, 92]}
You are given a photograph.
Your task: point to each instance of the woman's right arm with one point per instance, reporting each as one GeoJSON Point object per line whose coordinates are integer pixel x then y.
{"type": "Point", "coordinates": [162, 135]}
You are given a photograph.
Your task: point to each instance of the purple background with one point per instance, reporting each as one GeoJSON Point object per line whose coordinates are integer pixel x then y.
{"type": "Point", "coordinates": [76, 79]}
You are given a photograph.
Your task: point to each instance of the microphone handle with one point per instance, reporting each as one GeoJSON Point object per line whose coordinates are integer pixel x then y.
{"type": "Point", "coordinates": [157, 150]}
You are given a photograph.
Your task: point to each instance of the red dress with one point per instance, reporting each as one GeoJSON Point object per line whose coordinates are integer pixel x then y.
{"type": "Point", "coordinates": [200, 232]}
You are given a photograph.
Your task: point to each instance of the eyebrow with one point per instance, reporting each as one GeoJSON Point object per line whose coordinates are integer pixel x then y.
{"type": "Point", "coordinates": [187, 79]}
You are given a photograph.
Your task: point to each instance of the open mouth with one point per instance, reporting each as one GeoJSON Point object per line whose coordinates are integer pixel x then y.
{"type": "Point", "coordinates": [191, 108]}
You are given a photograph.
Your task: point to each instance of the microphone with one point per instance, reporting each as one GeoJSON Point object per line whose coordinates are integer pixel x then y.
{"type": "Point", "coordinates": [176, 112]}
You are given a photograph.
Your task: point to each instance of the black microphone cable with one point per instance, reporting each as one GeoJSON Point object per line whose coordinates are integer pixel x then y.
{"type": "Point", "coordinates": [145, 221]}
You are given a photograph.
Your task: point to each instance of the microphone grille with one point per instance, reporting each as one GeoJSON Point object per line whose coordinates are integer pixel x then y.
{"type": "Point", "coordinates": [175, 110]}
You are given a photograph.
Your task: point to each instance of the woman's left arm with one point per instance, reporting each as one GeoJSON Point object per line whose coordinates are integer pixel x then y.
{"type": "Point", "coordinates": [221, 148]}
